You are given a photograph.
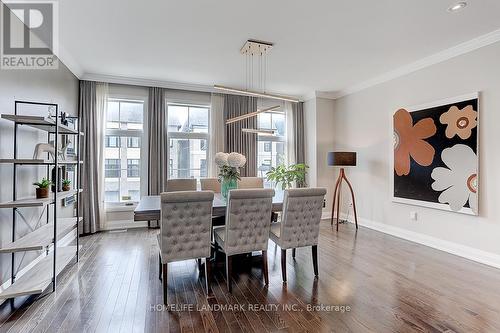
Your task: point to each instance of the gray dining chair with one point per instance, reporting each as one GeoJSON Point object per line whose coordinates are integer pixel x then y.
{"type": "Point", "coordinates": [250, 182]}
{"type": "Point", "coordinates": [255, 182]}
{"type": "Point", "coordinates": [210, 184]}
{"type": "Point", "coordinates": [186, 184]}
{"type": "Point", "coordinates": [299, 226]}
{"type": "Point", "coordinates": [247, 227]}
{"type": "Point", "coordinates": [186, 222]}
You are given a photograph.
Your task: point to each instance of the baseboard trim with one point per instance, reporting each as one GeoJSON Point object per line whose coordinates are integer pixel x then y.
{"type": "Point", "coordinates": [124, 224]}
{"type": "Point", "coordinates": [480, 256]}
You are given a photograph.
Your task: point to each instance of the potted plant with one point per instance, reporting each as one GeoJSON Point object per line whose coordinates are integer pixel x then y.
{"type": "Point", "coordinates": [229, 170]}
{"type": "Point", "coordinates": [42, 190]}
{"type": "Point", "coordinates": [66, 185]}
{"type": "Point", "coordinates": [286, 176]}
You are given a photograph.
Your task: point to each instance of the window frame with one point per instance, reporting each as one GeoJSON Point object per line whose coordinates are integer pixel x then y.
{"type": "Point", "coordinates": [188, 135]}
{"type": "Point", "coordinates": [127, 133]}
{"type": "Point", "coordinates": [271, 139]}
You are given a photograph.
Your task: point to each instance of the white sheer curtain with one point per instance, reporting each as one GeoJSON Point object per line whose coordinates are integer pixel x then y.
{"type": "Point", "coordinates": [216, 132]}
{"type": "Point", "coordinates": [101, 94]}
{"type": "Point", "coordinates": [290, 134]}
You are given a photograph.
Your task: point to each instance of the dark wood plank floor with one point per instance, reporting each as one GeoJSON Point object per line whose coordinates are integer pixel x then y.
{"type": "Point", "coordinates": [389, 285]}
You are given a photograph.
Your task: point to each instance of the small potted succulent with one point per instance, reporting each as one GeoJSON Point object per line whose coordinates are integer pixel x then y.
{"type": "Point", "coordinates": [42, 190]}
{"type": "Point", "coordinates": [66, 185]}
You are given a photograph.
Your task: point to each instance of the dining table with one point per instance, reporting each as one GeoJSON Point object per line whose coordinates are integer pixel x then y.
{"type": "Point", "coordinates": [149, 207]}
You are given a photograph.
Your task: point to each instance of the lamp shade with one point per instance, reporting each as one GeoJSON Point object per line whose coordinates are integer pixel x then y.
{"type": "Point", "coordinates": [342, 158]}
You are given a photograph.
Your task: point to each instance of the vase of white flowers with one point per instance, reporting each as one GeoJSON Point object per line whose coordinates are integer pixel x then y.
{"type": "Point", "coordinates": [229, 170]}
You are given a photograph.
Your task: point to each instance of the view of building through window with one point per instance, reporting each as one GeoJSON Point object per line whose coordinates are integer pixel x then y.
{"type": "Point", "coordinates": [271, 149]}
{"type": "Point", "coordinates": [122, 151]}
{"type": "Point", "coordinates": [188, 135]}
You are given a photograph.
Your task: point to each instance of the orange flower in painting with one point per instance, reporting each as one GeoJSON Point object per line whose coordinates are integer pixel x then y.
{"type": "Point", "coordinates": [460, 122]}
{"type": "Point", "coordinates": [409, 141]}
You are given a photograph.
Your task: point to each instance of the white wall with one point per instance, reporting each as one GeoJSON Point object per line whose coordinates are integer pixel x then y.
{"type": "Point", "coordinates": [319, 140]}
{"type": "Point", "coordinates": [363, 122]}
{"type": "Point", "coordinates": [54, 86]}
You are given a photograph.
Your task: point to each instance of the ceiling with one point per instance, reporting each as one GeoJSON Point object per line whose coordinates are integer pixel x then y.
{"type": "Point", "coordinates": [322, 45]}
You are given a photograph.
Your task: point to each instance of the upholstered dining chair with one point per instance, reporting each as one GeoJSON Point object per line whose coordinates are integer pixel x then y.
{"type": "Point", "coordinates": [255, 182]}
{"type": "Point", "coordinates": [299, 226]}
{"type": "Point", "coordinates": [210, 184]}
{"type": "Point", "coordinates": [186, 184]}
{"type": "Point", "coordinates": [247, 227]}
{"type": "Point", "coordinates": [186, 222]}
{"type": "Point", "coordinates": [250, 182]}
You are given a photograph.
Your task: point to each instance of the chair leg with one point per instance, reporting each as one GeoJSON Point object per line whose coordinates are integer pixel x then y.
{"type": "Point", "coordinates": [229, 272]}
{"type": "Point", "coordinates": [264, 268]}
{"type": "Point", "coordinates": [208, 276]}
{"type": "Point", "coordinates": [283, 264]}
{"type": "Point", "coordinates": [165, 284]}
{"type": "Point", "coordinates": [293, 253]}
{"type": "Point", "coordinates": [314, 251]}
{"type": "Point", "coordinates": [159, 266]}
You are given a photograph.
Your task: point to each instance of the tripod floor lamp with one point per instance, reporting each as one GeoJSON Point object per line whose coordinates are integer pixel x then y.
{"type": "Point", "coordinates": [342, 159]}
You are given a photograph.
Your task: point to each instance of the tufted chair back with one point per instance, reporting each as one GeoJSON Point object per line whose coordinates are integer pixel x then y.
{"type": "Point", "coordinates": [186, 222]}
{"type": "Point", "coordinates": [210, 184]}
{"type": "Point", "coordinates": [187, 184]}
{"type": "Point", "coordinates": [302, 208]}
{"type": "Point", "coordinates": [250, 182]}
{"type": "Point", "coordinates": [248, 219]}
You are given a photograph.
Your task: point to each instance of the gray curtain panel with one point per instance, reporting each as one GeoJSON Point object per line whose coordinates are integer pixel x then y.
{"type": "Point", "coordinates": [234, 139]}
{"type": "Point", "coordinates": [157, 138]}
{"type": "Point", "coordinates": [89, 150]}
{"type": "Point", "coordinates": [299, 142]}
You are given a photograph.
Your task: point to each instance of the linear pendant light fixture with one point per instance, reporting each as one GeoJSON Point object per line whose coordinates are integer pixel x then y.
{"type": "Point", "coordinates": [261, 132]}
{"type": "Point", "coordinates": [251, 114]}
{"type": "Point", "coordinates": [256, 51]}
{"type": "Point", "coordinates": [256, 94]}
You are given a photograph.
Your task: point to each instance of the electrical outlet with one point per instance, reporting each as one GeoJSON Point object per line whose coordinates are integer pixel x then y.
{"type": "Point", "coordinates": [413, 216]}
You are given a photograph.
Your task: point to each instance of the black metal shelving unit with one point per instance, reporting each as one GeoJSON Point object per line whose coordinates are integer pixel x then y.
{"type": "Point", "coordinates": [44, 272]}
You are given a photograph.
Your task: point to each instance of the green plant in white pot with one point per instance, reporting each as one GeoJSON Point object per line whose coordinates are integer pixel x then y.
{"type": "Point", "coordinates": [287, 176]}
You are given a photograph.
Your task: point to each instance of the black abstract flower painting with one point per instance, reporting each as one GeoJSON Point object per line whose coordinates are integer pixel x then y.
{"type": "Point", "coordinates": [436, 155]}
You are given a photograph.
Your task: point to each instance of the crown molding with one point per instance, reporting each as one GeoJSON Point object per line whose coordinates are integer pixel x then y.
{"type": "Point", "coordinates": [452, 52]}
{"type": "Point", "coordinates": [67, 60]}
{"type": "Point", "coordinates": [146, 82]}
{"type": "Point", "coordinates": [153, 83]}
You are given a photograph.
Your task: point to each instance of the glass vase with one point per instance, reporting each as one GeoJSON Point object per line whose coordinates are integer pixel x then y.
{"type": "Point", "coordinates": [228, 184]}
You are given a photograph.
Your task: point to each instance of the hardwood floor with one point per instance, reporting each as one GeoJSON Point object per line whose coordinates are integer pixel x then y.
{"type": "Point", "coordinates": [389, 285]}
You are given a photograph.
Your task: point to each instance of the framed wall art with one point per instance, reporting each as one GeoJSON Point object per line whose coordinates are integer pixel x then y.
{"type": "Point", "coordinates": [435, 157]}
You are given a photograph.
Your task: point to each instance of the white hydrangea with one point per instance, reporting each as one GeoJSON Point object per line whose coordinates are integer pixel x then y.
{"type": "Point", "coordinates": [221, 159]}
{"type": "Point", "coordinates": [236, 160]}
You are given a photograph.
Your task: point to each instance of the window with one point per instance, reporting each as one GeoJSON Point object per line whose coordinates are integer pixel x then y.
{"type": "Point", "coordinates": [133, 168]}
{"type": "Point", "coordinates": [122, 153]}
{"type": "Point", "coordinates": [112, 141]}
{"type": "Point", "coordinates": [134, 142]}
{"type": "Point", "coordinates": [135, 195]}
{"type": "Point", "coordinates": [271, 149]}
{"type": "Point", "coordinates": [112, 168]}
{"type": "Point", "coordinates": [188, 135]}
